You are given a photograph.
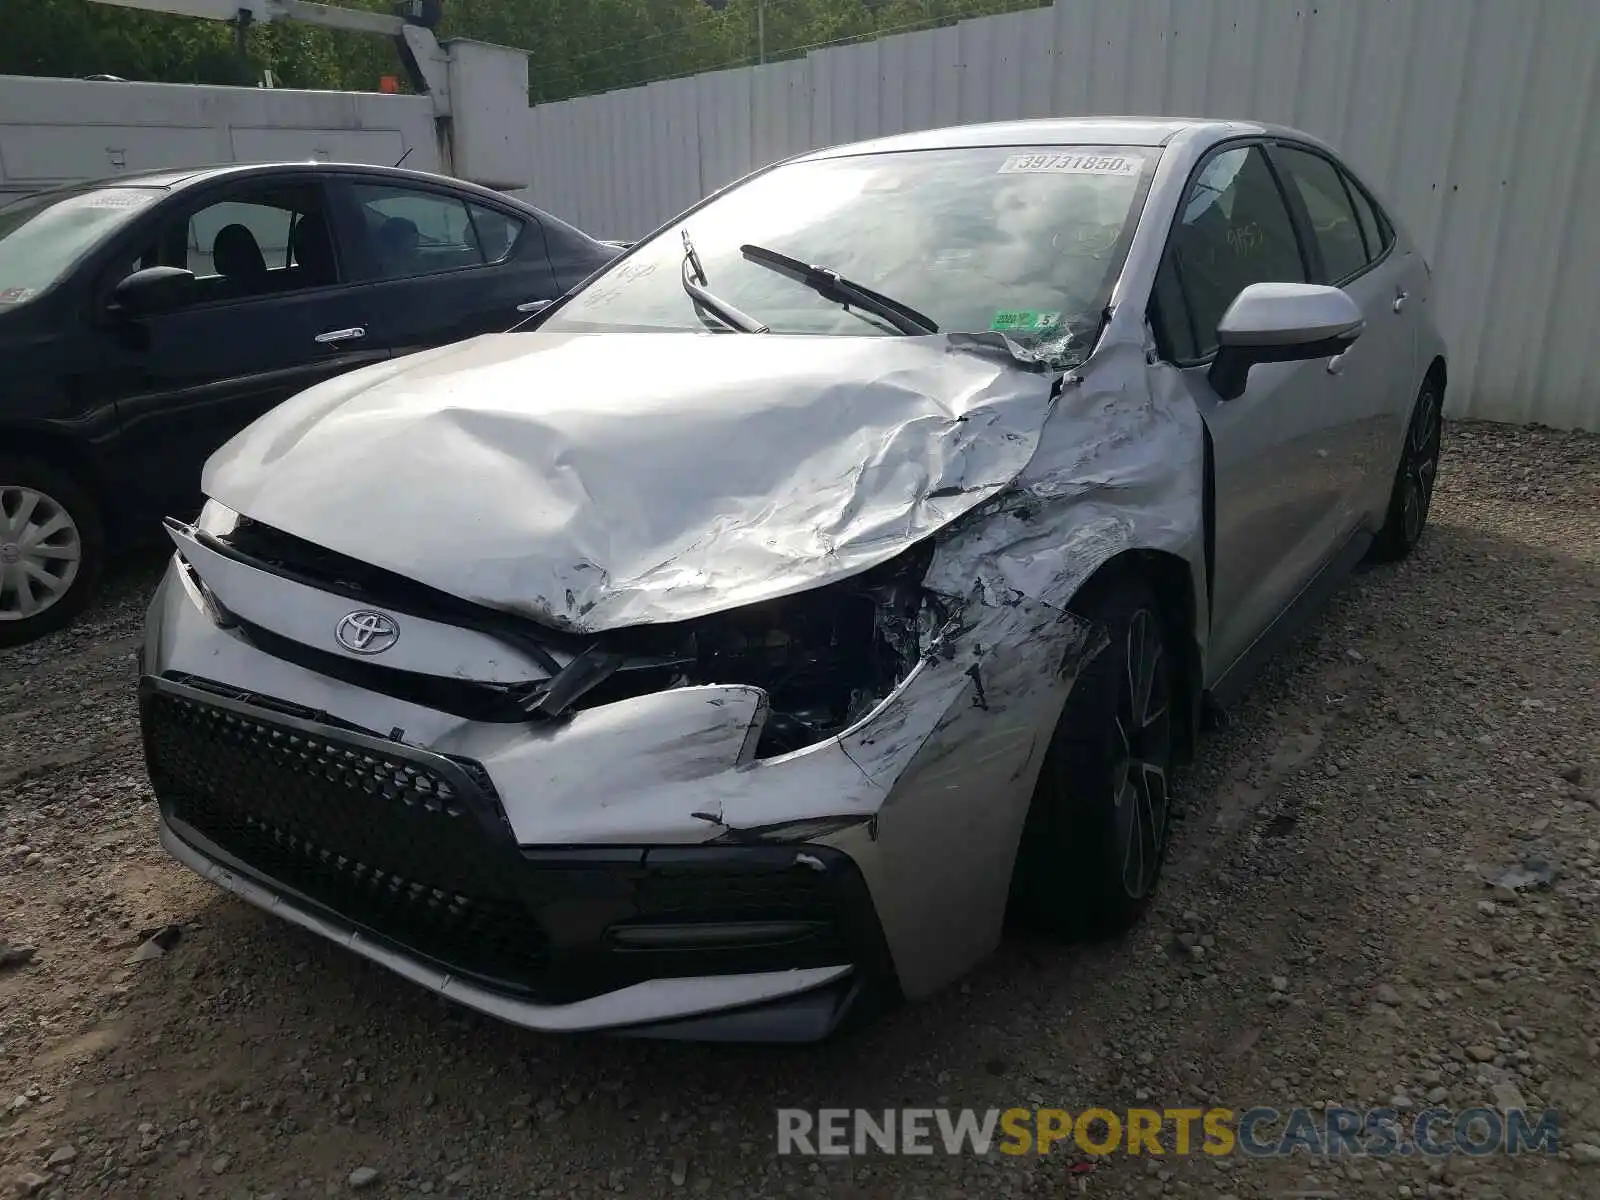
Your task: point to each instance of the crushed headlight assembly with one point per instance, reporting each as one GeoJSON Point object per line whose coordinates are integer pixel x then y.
{"type": "Point", "coordinates": [824, 658]}
{"type": "Point", "coordinates": [216, 519]}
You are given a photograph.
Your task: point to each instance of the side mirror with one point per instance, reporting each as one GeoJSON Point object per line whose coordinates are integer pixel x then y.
{"type": "Point", "coordinates": [1281, 322]}
{"type": "Point", "coordinates": [152, 290]}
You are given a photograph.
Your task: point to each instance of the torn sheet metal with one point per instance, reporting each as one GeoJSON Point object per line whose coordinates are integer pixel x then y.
{"type": "Point", "coordinates": [928, 791]}
{"type": "Point", "coordinates": [600, 481]}
{"type": "Point", "coordinates": [1120, 466]}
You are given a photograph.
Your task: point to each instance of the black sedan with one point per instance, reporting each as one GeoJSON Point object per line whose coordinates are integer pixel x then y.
{"type": "Point", "coordinates": [146, 319]}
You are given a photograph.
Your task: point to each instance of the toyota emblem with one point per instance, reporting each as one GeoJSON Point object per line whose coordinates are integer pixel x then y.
{"type": "Point", "coordinates": [367, 632]}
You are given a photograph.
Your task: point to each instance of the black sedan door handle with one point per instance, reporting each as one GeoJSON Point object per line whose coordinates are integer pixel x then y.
{"type": "Point", "coordinates": [336, 336]}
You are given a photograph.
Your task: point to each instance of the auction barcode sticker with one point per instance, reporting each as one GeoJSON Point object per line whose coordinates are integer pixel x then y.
{"type": "Point", "coordinates": [1071, 164]}
{"type": "Point", "coordinates": [114, 199]}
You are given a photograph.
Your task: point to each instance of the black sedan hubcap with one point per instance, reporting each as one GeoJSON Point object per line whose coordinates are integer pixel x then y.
{"type": "Point", "coordinates": [1143, 745]}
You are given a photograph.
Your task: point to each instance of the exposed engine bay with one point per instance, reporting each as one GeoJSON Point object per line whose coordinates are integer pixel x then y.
{"type": "Point", "coordinates": [824, 657]}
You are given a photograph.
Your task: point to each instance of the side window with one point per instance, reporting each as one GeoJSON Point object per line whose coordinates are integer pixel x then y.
{"type": "Point", "coordinates": [413, 232]}
{"type": "Point", "coordinates": [267, 224]}
{"type": "Point", "coordinates": [1170, 315]}
{"type": "Point", "coordinates": [260, 240]}
{"type": "Point", "coordinates": [1233, 230]}
{"type": "Point", "coordinates": [496, 233]}
{"type": "Point", "coordinates": [1374, 227]}
{"type": "Point", "coordinates": [1334, 223]}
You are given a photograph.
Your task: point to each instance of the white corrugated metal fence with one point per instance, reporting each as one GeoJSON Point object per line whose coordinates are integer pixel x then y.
{"type": "Point", "coordinates": [1478, 120]}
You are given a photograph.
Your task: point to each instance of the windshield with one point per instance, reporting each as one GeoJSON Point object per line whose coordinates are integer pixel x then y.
{"type": "Point", "coordinates": [42, 236]}
{"type": "Point", "coordinates": [1024, 240]}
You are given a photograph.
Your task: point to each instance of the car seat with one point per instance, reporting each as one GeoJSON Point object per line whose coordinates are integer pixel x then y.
{"type": "Point", "coordinates": [398, 239]}
{"type": "Point", "coordinates": [237, 257]}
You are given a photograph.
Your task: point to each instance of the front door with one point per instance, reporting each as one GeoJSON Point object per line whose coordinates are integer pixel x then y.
{"type": "Point", "coordinates": [1277, 447]}
{"type": "Point", "coordinates": [269, 313]}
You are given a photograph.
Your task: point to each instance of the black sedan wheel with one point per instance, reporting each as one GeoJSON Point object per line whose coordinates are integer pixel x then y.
{"type": "Point", "coordinates": [50, 550]}
{"type": "Point", "coordinates": [1096, 833]}
{"type": "Point", "coordinates": [1412, 495]}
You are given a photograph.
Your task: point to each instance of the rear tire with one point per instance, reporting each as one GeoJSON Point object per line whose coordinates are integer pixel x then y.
{"type": "Point", "coordinates": [1412, 494]}
{"type": "Point", "coordinates": [1096, 833]}
{"type": "Point", "coordinates": [52, 549]}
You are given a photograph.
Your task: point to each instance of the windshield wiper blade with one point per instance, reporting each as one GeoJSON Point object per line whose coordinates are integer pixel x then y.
{"type": "Point", "coordinates": [833, 286]}
{"type": "Point", "coordinates": [712, 303]}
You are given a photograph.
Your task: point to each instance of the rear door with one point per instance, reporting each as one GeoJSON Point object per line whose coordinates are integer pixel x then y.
{"type": "Point", "coordinates": [270, 312]}
{"type": "Point", "coordinates": [1273, 445]}
{"type": "Point", "coordinates": [1347, 248]}
{"type": "Point", "coordinates": [442, 265]}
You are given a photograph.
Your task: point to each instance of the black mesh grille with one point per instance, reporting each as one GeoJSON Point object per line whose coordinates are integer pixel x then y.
{"type": "Point", "coordinates": [414, 849]}
{"type": "Point", "coordinates": [698, 895]}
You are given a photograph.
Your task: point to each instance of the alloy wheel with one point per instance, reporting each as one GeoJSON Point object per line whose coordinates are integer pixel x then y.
{"type": "Point", "coordinates": [41, 550]}
{"type": "Point", "coordinates": [1421, 465]}
{"type": "Point", "coordinates": [1143, 751]}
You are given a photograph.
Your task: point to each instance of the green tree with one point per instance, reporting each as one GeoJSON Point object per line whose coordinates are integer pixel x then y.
{"type": "Point", "coordinates": [574, 46]}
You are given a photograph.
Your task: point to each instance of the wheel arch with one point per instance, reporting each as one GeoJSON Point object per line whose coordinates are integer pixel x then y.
{"type": "Point", "coordinates": [1172, 581]}
{"type": "Point", "coordinates": [66, 454]}
{"type": "Point", "coordinates": [1437, 372]}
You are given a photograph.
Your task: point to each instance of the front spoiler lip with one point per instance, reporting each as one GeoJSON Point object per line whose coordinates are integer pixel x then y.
{"type": "Point", "coordinates": [685, 1007]}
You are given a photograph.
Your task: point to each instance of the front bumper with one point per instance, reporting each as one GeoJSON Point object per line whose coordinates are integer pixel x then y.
{"type": "Point", "coordinates": [905, 825]}
{"type": "Point", "coordinates": [405, 856]}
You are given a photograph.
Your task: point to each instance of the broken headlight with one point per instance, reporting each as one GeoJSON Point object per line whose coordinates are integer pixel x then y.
{"type": "Point", "coordinates": [825, 657]}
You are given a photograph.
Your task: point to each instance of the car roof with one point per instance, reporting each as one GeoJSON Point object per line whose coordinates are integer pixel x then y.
{"type": "Point", "coordinates": [182, 177]}
{"type": "Point", "coordinates": [178, 179]}
{"type": "Point", "coordinates": [1066, 131]}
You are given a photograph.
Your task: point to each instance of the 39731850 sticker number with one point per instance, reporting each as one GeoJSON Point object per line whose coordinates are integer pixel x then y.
{"type": "Point", "coordinates": [114, 199]}
{"type": "Point", "coordinates": [1071, 164]}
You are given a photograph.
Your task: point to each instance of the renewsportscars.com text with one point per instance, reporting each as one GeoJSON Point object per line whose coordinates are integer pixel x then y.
{"type": "Point", "coordinates": [1255, 1132]}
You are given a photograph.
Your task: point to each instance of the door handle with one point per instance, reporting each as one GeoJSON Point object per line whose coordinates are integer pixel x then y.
{"type": "Point", "coordinates": [335, 336]}
{"type": "Point", "coordinates": [1400, 299]}
{"type": "Point", "coordinates": [533, 306]}
{"type": "Point", "coordinates": [1336, 365]}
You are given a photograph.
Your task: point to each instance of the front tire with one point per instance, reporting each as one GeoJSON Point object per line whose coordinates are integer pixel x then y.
{"type": "Point", "coordinates": [1412, 495]}
{"type": "Point", "coordinates": [52, 547]}
{"type": "Point", "coordinates": [1096, 833]}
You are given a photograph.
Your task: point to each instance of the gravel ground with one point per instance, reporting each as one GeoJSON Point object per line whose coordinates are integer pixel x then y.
{"type": "Point", "coordinates": [1325, 934]}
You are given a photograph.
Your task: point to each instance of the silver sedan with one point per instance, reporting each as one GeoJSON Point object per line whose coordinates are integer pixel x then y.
{"type": "Point", "coordinates": [731, 650]}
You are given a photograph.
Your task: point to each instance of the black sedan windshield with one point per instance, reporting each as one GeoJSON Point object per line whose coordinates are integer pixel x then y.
{"type": "Point", "coordinates": [1024, 240]}
{"type": "Point", "coordinates": [42, 236]}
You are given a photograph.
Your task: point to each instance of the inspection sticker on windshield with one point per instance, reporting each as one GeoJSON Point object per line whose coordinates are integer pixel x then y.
{"type": "Point", "coordinates": [1023, 320]}
{"type": "Point", "coordinates": [1071, 164]}
{"type": "Point", "coordinates": [14, 295]}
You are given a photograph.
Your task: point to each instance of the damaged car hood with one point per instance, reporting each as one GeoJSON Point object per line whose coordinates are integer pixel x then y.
{"type": "Point", "coordinates": [603, 480]}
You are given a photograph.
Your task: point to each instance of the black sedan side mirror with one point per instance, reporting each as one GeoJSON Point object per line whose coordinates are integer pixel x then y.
{"type": "Point", "coordinates": [152, 290]}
